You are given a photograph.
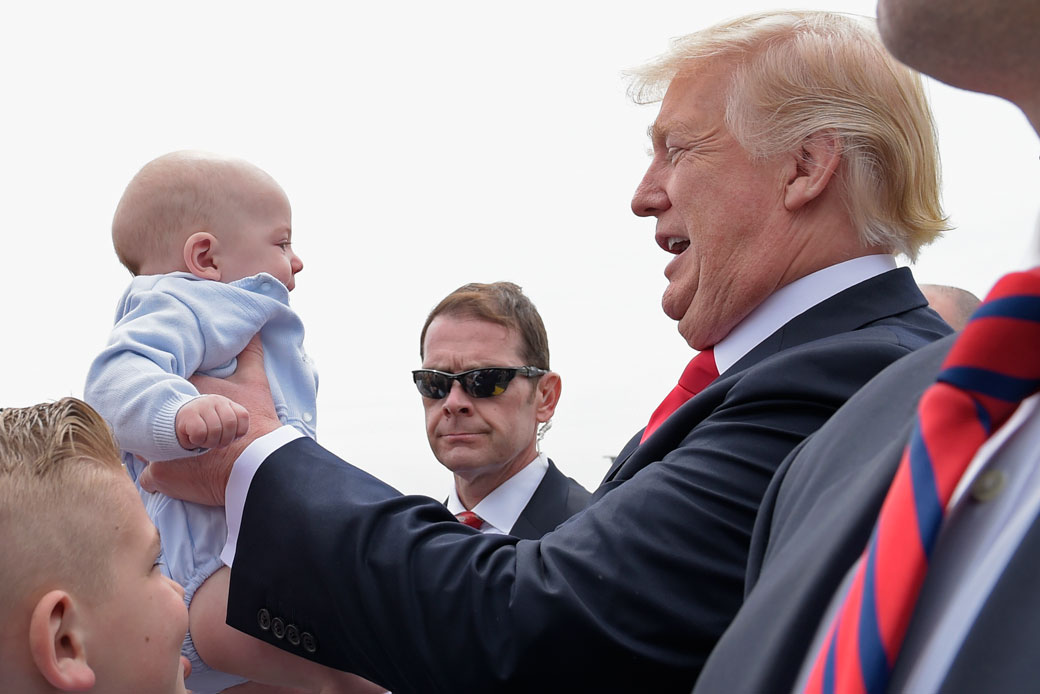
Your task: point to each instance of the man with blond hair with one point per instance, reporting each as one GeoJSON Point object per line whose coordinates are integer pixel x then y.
{"type": "Point", "coordinates": [974, 622]}
{"type": "Point", "coordinates": [792, 158]}
{"type": "Point", "coordinates": [84, 604]}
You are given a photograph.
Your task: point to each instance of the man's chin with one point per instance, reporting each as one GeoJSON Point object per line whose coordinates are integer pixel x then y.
{"type": "Point", "coordinates": [674, 307]}
{"type": "Point", "coordinates": [461, 461]}
{"type": "Point", "coordinates": [697, 332]}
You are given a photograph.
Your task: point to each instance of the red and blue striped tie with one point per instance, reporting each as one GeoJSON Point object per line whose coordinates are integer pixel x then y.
{"type": "Point", "coordinates": [993, 365]}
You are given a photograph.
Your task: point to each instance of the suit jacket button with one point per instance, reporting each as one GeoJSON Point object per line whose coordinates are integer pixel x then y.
{"type": "Point", "coordinates": [292, 634]}
{"type": "Point", "coordinates": [278, 628]}
{"type": "Point", "coordinates": [310, 644]}
{"type": "Point", "coordinates": [263, 618]}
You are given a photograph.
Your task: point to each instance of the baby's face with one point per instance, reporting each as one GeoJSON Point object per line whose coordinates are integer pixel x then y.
{"type": "Point", "coordinates": [256, 235]}
{"type": "Point", "coordinates": [141, 621]}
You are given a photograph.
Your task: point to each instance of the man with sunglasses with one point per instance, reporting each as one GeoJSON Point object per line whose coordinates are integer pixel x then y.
{"type": "Point", "coordinates": [792, 157]}
{"type": "Point", "coordinates": [489, 396]}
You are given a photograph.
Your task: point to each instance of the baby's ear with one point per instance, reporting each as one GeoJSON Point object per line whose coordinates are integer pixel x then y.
{"type": "Point", "coordinates": [57, 643]}
{"type": "Point", "coordinates": [200, 253]}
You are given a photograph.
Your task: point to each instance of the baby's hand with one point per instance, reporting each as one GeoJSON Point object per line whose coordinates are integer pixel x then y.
{"type": "Point", "coordinates": [210, 421]}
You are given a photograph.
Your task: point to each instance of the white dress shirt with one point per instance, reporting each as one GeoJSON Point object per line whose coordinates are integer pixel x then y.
{"type": "Point", "coordinates": [502, 507]}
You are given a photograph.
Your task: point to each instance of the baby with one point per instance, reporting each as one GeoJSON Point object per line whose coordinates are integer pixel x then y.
{"type": "Point", "coordinates": [84, 604]}
{"type": "Point", "coordinates": [208, 240]}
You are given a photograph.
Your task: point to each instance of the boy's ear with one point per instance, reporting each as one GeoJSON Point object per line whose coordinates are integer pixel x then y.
{"type": "Point", "coordinates": [57, 644]}
{"type": "Point", "coordinates": [548, 395]}
{"type": "Point", "coordinates": [814, 167]}
{"type": "Point", "coordinates": [200, 255]}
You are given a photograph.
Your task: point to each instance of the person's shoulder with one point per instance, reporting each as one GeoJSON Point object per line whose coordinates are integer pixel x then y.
{"type": "Point", "coordinates": [898, 334]}
{"type": "Point", "coordinates": [578, 496]}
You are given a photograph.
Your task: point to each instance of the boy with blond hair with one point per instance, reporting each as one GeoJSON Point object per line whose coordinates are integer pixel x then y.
{"type": "Point", "coordinates": [84, 604]}
{"type": "Point", "coordinates": [208, 240]}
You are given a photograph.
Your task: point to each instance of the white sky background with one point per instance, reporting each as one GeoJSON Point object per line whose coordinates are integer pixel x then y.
{"type": "Point", "coordinates": [423, 146]}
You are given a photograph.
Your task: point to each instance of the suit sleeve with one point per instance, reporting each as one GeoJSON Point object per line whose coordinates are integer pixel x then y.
{"type": "Point", "coordinates": [628, 595]}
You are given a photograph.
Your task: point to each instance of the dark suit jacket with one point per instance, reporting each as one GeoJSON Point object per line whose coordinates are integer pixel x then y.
{"type": "Point", "coordinates": [628, 595]}
{"type": "Point", "coordinates": [555, 499]}
{"type": "Point", "coordinates": [815, 521]}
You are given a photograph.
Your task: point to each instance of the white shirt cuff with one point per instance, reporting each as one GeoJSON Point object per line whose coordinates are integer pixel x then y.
{"type": "Point", "coordinates": [241, 477]}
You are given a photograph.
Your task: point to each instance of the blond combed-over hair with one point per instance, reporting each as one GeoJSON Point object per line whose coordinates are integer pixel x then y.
{"type": "Point", "coordinates": [799, 73]}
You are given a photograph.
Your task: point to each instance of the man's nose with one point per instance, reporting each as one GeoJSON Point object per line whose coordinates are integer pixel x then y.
{"type": "Point", "coordinates": [650, 198]}
{"type": "Point", "coordinates": [457, 401]}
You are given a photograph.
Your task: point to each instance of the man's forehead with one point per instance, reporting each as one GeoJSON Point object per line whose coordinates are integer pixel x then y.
{"type": "Point", "coordinates": [466, 342]}
{"type": "Point", "coordinates": [694, 97]}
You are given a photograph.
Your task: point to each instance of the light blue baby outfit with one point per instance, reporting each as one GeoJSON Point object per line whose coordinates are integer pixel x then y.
{"type": "Point", "coordinates": [169, 327]}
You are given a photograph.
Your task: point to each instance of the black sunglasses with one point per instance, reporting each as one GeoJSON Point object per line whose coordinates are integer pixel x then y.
{"type": "Point", "coordinates": [478, 383]}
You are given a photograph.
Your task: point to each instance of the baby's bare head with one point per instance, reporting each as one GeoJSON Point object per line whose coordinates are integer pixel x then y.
{"type": "Point", "coordinates": [171, 198]}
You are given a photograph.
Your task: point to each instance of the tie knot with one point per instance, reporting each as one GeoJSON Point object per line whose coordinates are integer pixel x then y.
{"type": "Point", "coordinates": [471, 519]}
{"type": "Point", "coordinates": [700, 371]}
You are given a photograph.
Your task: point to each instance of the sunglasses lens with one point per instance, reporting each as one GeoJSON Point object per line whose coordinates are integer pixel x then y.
{"type": "Point", "coordinates": [485, 383]}
{"type": "Point", "coordinates": [478, 383]}
{"type": "Point", "coordinates": [432, 385]}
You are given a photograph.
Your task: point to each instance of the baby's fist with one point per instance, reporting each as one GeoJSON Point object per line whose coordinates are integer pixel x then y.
{"type": "Point", "coordinates": [210, 421]}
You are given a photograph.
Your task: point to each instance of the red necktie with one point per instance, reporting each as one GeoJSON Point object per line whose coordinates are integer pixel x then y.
{"type": "Point", "coordinates": [698, 374]}
{"type": "Point", "coordinates": [994, 365]}
{"type": "Point", "coordinates": [471, 519]}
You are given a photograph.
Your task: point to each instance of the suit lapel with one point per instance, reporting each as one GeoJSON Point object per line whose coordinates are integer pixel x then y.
{"type": "Point", "coordinates": [879, 297]}
{"type": "Point", "coordinates": [538, 516]}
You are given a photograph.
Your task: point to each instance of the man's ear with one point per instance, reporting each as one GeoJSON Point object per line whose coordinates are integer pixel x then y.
{"type": "Point", "coordinates": [548, 395]}
{"type": "Point", "coordinates": [814, 167]}
{"type": "Point", "coordinates": [200, 255]}
{"type": "Point", "coordinates": [57, 644]}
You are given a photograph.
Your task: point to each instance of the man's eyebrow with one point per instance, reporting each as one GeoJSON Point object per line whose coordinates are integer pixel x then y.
{"type": "Point", "coordinates": [658, 131]}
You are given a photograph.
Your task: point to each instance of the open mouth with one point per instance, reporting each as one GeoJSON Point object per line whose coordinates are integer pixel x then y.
{"type": "Point", "coordinates": [676, 245]}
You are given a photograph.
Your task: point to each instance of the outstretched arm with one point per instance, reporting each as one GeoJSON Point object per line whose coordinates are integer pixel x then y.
{"type": "Point", "coordinates": [628, 595]}
{"type": "Point", "coordinates": [139, 382]}
{"type": "Point", "coordinates": [169, 327]}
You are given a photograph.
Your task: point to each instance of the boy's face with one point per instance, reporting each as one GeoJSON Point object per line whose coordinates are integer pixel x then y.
{"type": "Point", "coordinates": [139, 623]}
{"type": "Point", "coordinates": [256, 232]}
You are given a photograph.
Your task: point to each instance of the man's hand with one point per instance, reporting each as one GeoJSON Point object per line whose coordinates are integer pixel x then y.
{"type": "Point", "coordinates": [203, 479]}
{"type": "Point", "coordinates": [210, 421]}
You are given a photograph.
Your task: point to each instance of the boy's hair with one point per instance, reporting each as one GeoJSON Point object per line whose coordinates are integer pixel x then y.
{"type": "Point", "coordinates": [503, 303]}
{"type": "Point", "coordinates": [57, 462]}
{"type": "Point", "coordinates": [170, 197]}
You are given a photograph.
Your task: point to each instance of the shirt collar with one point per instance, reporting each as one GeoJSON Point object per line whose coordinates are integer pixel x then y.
{"type": "Point", "coordinates": [794, 299]}
{"type": "Point", "coordinates": [503, 506]}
